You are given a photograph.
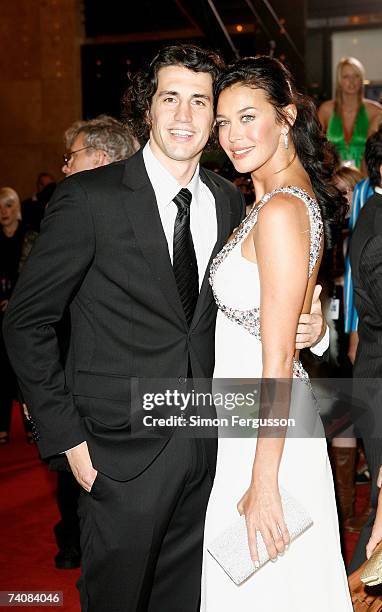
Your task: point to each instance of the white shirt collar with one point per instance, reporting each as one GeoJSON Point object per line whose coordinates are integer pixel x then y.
{"type": "Point", "coordinates": [378, 190]}
{"type": "Point", "coordinates": [165, 186]}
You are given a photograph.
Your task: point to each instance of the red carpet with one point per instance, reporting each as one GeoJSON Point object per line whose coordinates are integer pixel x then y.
{"type": "Point", "coordinates": [28, 513]}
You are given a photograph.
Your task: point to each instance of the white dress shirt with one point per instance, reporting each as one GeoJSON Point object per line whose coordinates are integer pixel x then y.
{"type": "Point", "coordinates": [203, 222]}
{"type": "Point", "coordinates": [321, 346]}
{"type": "Point", "coordinates": [202, 217]}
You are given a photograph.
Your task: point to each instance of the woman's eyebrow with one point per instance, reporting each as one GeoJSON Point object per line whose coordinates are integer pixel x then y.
{"type": "Point", "coordinates": [241, 110]}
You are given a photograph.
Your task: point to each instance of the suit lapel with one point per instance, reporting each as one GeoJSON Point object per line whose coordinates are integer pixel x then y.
{"type": "Point", "coordinates": [223, 218]}
{"type": "Point", "coordinates": [142, 211]}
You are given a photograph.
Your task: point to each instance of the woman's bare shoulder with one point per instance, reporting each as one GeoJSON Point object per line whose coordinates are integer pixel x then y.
{"type": "Point", "coordinates": [283, 208]}
{"type": "Point", "coordinates": [373, 107]}
{"type": "Point", "coordinates": [375, 123]}
{"type": "Point", "coordinates": [324, 112]}
{"type": "Point", "coordinates": [327, 106]}
{"type": "Point", "coordinates": [282, 228]}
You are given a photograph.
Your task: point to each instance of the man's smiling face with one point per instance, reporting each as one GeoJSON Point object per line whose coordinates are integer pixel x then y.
{"type": "Point", "coordinates": [181, 114]}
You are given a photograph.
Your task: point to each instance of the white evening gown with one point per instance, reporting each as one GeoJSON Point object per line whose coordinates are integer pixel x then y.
{"type": "Point", "coordinates": [310, 576]}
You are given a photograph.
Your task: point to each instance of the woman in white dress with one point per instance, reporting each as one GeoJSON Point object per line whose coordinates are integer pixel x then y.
{"type": "Point", "coordinates": [270, 266]}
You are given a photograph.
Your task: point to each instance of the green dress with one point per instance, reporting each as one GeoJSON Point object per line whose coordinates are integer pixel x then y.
{"type": "Point", "coordinates": [353, 150]}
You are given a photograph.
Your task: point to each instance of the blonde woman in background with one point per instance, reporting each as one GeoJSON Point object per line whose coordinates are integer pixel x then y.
{"type": "Point", "coordinates": [15, 245]}
{"type": "Point", "coordinates": [347, 120]}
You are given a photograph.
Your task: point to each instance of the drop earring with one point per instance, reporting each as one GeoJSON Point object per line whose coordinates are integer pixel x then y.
{"type": "Point", "coordinates": [286, 141]}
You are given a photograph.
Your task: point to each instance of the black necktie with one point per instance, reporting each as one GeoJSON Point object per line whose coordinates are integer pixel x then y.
{"type": "Point", "coordinates": [184, 258]}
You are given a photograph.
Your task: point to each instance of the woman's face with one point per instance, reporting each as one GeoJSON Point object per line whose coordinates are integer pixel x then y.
{"type": "Point", "coordinates": [9, 213]}
{"type": "Point", "coordinates": [350, 79]}
{"type": "Point", "coordinates": [247, 127]}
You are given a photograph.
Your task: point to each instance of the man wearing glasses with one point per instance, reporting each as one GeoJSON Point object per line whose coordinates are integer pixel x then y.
{"type": "Point", "coordinates": [89, 145]}
{"type": "Point", "coordinates": [95, 143]}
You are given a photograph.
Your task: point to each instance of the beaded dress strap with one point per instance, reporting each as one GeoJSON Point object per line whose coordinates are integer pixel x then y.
{"type": "Point", "coordinates": [316, 224]}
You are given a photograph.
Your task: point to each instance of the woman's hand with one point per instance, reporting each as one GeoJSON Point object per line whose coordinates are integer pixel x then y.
{"type": "Point", "coordinates": [3, 305]}
{"type": "Point", "coordinates": [376, 534]}
{"type": "Point", "coordinates": [263, 512]}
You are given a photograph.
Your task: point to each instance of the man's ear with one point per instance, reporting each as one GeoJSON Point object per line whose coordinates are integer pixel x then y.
{"type": "Point", "coordinates": [380, 175]}
{"type": "Point", "coordinates": [148, 119]}
{"type": "Point", "coordinates": [101, 158]}
{"type": "Point", "coordinates": [290, 113]}
{"type": "Point", "coordinates": [105, 159]}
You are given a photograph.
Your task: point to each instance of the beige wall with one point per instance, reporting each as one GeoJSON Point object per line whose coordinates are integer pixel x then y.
{"type": "Point", "coordinates": [40, 85]}
{"type": "Point", "coordinates": [365, 45]}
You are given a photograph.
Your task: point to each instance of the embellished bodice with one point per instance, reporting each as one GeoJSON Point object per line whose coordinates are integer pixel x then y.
{"type": "Point", "coordinates": [235, 280]}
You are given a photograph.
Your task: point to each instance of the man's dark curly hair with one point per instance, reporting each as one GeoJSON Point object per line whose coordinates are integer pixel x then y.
{"type": "Point", "coordinates": [137, 99]}
{"type": "Point", "coordinates": [373, 157]}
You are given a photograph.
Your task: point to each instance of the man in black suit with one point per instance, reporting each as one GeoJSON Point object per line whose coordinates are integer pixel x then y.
{"type": "Point", "coordinates": [128, 247]}
{"type": "Point", "coordinates": [366, 265]}
{"type": "Point", "coordinates": [89, 145]}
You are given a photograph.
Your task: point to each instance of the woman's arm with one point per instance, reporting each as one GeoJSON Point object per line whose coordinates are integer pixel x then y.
{"type": "Point", "coordinates": [324, 113]}
{"type": "Point", "coordinates": [282, 248]}
{"type": "Point", "coordinates": [375, 118]}
{"type": "Point", "coordinates": [282, 241]}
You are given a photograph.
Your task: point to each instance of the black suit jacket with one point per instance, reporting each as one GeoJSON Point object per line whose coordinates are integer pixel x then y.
{"type": "Point", "coordinates": [366, 265]}
{"type": "Point", "coordinates": [102, 251]}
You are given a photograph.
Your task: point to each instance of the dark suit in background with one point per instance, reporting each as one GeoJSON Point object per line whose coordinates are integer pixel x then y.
{"type": "Point", "coordinates": [366, 265]}
{"type": "Point", "coordinates": [103, 252]}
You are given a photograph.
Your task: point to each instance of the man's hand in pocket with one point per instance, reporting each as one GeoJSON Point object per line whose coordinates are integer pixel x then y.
{"type": "Point", "coordinates": [81, 465]}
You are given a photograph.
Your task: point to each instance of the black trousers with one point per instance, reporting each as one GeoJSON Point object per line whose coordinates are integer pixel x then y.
{"type": "Point", "coordinates": [373, 452]}
{"type": "Point", "coordinates": [142, 540]}
{"type": "Point", "coordinates": [369, 426]}
{"type": "Point", "coordinates": [67, 531]}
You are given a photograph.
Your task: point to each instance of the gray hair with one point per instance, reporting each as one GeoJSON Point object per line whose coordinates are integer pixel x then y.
{"type": "Point", "coordinates": [104, 133]}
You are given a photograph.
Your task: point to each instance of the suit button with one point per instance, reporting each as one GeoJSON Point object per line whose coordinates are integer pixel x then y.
{"type": "Point", "coordinates": [182, 380]}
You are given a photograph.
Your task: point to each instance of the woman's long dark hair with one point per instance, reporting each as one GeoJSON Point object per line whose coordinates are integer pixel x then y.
{"type": "Point", "coordinates": [312, 148]}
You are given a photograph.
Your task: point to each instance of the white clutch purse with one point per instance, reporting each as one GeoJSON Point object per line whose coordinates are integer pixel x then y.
{"type": "Point", "coordinates": [230, 549]}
